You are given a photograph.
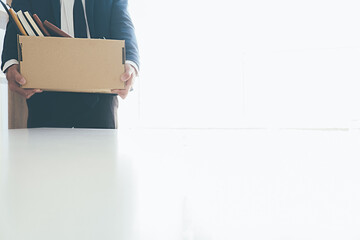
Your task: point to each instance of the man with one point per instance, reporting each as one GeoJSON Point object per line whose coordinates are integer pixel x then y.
{"type": "Point", "coordinates": [107, 19]}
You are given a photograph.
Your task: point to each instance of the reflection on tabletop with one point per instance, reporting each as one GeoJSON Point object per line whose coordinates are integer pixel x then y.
{"type": "Point", "coordinates": [179, 184]}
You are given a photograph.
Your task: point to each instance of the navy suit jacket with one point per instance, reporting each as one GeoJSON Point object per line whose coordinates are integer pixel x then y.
{"type": "Point", "coordinates": [106, 18]}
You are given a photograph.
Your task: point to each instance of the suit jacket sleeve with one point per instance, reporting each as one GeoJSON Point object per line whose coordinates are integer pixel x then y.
{"type": "Point", "coordinates": [10, 40]}
{"type": "Point", "coordinates": [121, 27]}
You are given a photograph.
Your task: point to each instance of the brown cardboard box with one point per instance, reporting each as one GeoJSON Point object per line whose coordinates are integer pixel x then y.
{"type": "Point", "coordinates": [71, 64]}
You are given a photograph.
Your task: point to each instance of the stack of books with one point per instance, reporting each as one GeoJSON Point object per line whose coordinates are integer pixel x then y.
{"type": "Point", "coordinates": [31, 25]}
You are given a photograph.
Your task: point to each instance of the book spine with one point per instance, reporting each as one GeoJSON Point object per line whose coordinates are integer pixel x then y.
{"type": "Point", "coordinates": [25, 23]}
{"type": "Point", "coordinates": [33, 24]}
{"type": "Point", "coordinates": [52, 28]}
{"type": "Point", "coordinates": [17, 22]}
{"type": "Point", "coordinates": [40, 24]}
{"type": "Point", "coordinates": [29, 23]}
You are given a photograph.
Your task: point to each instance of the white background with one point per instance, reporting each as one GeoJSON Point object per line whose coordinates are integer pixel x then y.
{"type": "Point", "coordinates": [246, 64]}
{"type": "Point", "coordinates": [234, 64]}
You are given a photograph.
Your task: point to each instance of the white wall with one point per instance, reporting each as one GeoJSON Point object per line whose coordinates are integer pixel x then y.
{"type": "Point", "coordinates": [3, 94]}
{"type": "Point", "coordinates": [3, 85]}
{"type": "Point", "coordinates": [247, 63]}
{"type": "Point", "coordinates": [3, 105]}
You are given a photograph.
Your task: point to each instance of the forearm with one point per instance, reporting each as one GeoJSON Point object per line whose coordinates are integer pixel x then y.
{"type": "Point", "coordinates": [10, 40]}
{"type": "Point", "coordinates": [10, 45]}
{"type": "Point", "coordinates": [121, 27]}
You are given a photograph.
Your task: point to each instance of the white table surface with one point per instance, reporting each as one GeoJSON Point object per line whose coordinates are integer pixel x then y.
{"type": "Point", "coordinates": [64, 184]}
{"type": "Point", "coordinates": [179, 184]}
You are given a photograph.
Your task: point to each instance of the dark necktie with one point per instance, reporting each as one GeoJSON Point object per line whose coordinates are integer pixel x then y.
{"type": "Point", "coordinates": [79, 20]}
{"type": "Point", "coordinates": [80, 32]}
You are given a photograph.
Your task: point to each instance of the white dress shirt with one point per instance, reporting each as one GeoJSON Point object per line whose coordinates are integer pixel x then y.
{"type": "Point", "coordinates": [67, 17]}
{"type": "Point", "coordinates": [67, 25]}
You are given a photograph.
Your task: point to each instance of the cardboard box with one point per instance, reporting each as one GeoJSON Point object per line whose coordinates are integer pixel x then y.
{"type": "Point", "coordinates": [72, 64]}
